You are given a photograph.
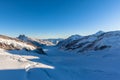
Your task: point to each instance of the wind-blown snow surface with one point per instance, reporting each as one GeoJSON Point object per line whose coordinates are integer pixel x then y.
{"type": "Point", "coordinates": [60, 65]}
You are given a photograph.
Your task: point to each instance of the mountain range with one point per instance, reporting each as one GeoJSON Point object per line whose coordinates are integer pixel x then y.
{"type": "Point", "coordinates": [92, 57]}
{"type": "Point", "coordinates": [98, 41]}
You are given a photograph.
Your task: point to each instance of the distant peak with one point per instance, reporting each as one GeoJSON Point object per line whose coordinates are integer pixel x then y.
{"type": "Point", "coordinates": [74, 37]}
{"type": "Point", "coordinates": [99, 33]}
{"type": "Point", "coordinates": [22, 35]}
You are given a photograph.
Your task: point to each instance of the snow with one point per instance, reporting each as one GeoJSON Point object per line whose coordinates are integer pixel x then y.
{"type": "Point", "coordinates": [64, 65]}
{"type": "Point", "coordinates": [65, 42]}
{"type": "Point", "coordinates": [99, 33]}
{"type": "Point", "coordinates": [16, 66]}
{"type": "Point", "coordinates": [34, 41]}
{"type": "Point", "coordinates": [75, 37]}
{"type": "Point", "coordinates": [98, 41]}
{"type": "Point", "coordinates": [59, 65]}
{"type": "Point", "coordinates": [18, 44]}
{"type": "Point", "coordinates": [111, 39]}
{"type": "Point", "coordinates": [54, 41]}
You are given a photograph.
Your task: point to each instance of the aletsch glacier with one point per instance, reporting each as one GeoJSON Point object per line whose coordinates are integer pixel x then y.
{"type": "Point", "coordinates": [92, 57]}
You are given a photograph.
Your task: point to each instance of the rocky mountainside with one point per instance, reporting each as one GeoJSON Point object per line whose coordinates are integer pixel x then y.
{"type": "Point", "coordinates": [36, 42]}
{"type": "Point", "coordinates": [62, 44]}
{"type": "Point", "coordinates": [9, 43]}
{"type": "Point", "coordinates": [98, 41]}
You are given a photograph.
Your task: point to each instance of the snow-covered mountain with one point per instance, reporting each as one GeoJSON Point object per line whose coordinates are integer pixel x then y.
{"type": "Point", "coordinates": [98, 41]}
{"type": "Point", "coordinates": [62, 44]}
{"type": "Point", "coordinates": [36, 42]}
{"type": "Point", "coordinates": [9, 43]}
{"type": "Point", "coordinates": [62, 65]}
{"type": "Point", "coordinates": [54, 41]}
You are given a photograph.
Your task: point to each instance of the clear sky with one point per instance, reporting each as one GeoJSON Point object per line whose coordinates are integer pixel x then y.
{"type": "Point", "coordinates": [58, 18]}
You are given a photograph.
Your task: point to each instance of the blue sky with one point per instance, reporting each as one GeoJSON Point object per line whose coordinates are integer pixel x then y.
{"type": "Point", "coordinates": [58, 18]}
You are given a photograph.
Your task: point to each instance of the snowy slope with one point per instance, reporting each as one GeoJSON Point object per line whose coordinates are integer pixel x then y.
{"type": "Point", "coordinates": [67, 41]}
{"type": "Point", "coordinates": [60, 65]}
{"type": "Point", "coordinates": [36, 42]}
{"type": "Point", "coordinates": [102, 64]}
{"type": "Point", "coordinates": [99, 41]}
{"type": "Point", "coordinates": [16, 66]}
{"type": "Point", "coordinates": [9, 43]}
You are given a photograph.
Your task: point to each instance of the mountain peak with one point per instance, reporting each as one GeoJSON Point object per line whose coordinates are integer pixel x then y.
{"type": "Point", "coordinates": [99, 33]}
{"type": "Point", "coordinates": [98, 41]}
{"type": "Point", "coordinates": [74, 37]}
{"type": "Point", "coordinates": [23, 37]}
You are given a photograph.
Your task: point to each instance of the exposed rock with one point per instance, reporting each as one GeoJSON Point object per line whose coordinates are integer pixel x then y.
{"type": "Point", "coordinates": [9, 43]}
{"type": "Point", "coordinates": [99, 41]}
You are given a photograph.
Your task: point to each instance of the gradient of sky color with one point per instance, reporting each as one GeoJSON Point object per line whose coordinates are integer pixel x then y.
{"type": "Point", "coordinates": [58, 18]}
